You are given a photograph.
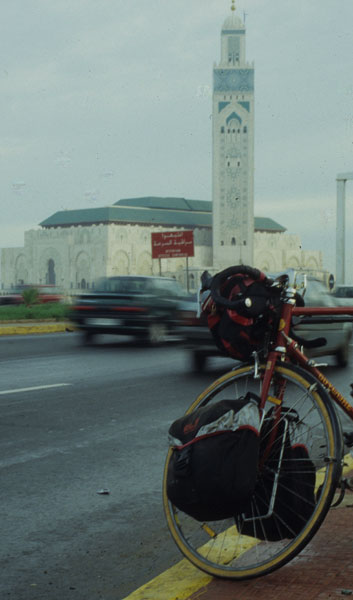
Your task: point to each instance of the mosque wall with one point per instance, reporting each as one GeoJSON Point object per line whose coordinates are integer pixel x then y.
{"type": "Point", "coordinates": [73, 258]}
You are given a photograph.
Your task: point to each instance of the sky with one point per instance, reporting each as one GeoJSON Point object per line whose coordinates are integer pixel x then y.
{"type": "Point", "coordinates": [109, 99]}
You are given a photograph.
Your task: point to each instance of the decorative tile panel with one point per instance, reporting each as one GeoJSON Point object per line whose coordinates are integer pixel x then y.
{"type": "Point", "coordinates": [222, 105]}
{"type": "Point", "coordinates": [233, 80]}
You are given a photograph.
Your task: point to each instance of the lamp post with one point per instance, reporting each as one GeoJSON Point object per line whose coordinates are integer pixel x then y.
{"type": "Point", "coordinates": [341, 226]}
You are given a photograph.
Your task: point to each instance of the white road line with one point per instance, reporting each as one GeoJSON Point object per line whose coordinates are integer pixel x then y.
{"type": "Point", "coordinates": [37, 387]}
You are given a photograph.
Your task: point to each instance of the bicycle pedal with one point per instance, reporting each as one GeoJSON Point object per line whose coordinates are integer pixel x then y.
{"type": "Point", "coordinates": [348, 438]}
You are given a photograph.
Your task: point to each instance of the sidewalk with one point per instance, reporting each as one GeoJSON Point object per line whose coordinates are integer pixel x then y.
{"type": "Point", "coordinates": [323, 570]}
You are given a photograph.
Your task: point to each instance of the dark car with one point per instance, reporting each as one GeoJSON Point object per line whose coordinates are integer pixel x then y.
{"type": "Point", "coordinates": [143, 307]}
{"type": "Point", "coordinates": [343, 294]}
{"type": "Point", "coordinates": [198, 340]}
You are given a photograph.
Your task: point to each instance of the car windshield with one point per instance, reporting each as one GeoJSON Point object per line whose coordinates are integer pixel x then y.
{"type": "Point", "coordinates": [121, 284]}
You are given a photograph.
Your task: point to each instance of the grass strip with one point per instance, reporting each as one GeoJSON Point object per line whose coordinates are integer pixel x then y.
{"type": "Point", "coordinates": [54, 311]}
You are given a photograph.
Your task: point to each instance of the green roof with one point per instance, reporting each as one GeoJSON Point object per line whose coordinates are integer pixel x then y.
{"type": "Point", "coordinates": [166, 203]}
{"type": "Point", "coordinates": [266, 224]}
{"type": "Point", "coordinates": [150, 210]}
{"type": "Point", "coordinates": [122, 214]}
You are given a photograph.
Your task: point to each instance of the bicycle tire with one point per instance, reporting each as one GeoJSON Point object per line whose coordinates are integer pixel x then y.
{"type": "Point", "coordinates": [219, 548]}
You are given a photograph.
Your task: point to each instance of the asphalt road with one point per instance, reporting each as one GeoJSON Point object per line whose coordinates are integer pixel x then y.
{"type": "Point", "coordinates": [76, 421]}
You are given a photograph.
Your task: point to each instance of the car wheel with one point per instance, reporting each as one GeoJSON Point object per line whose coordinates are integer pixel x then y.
{"type": "Point", "coordinates": [342, 355]}
{"type": "Point", "coordinates": [157, 333]}
{"type": "Point", "coordinates": [198, 361]}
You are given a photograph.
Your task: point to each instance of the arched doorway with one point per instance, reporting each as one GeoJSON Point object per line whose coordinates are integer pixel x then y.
{"type": "Point", "coordinates": [50, 276]}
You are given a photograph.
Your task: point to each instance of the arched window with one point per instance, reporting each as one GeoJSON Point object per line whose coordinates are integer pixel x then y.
{"type": "Point", "coordinates": [233, 241]}
{"type": "Point", "coordinates": [83, 284]}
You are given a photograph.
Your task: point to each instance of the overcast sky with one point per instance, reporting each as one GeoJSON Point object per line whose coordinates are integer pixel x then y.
{"type": "Point", "coordinates": [109, 99]}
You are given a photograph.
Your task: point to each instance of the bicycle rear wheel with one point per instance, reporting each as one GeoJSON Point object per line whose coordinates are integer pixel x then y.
{"type": "Point", "coordinates": [219, 547]}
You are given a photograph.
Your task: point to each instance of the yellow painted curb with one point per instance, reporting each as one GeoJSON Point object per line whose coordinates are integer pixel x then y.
{"type": "Point", "coordinates": [183, 580]}
{"type": "Point", "coordinates": [15, 329]}
{"type": "Point", "coordinates": [348, 464]}
{"type": "Point", "coordinates": [177, 583]}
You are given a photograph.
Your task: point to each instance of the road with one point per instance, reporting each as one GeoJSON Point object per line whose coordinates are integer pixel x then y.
{"type": "Point", "coordinates": [76, 421]}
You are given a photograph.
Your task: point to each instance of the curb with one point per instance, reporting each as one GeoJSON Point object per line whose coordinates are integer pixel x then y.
{"type": "Point", "coordinates": [19, 329]}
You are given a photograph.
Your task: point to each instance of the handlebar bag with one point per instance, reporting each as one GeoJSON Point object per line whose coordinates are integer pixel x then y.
{"type": "Point", "coordinates": [212, 470]}
{"type": "Point", "coordinates": [295, 494]}
{"type": "Point", "coordinates": [238, 333]}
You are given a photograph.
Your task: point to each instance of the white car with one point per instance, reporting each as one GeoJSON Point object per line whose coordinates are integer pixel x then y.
{"type": "Point", "coordinates": [338, 333]}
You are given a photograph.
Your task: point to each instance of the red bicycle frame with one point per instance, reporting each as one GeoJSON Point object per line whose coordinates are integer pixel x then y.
{"type": "Point", "coordinates": [286, 349]}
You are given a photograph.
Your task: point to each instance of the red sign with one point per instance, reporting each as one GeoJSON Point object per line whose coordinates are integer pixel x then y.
{"type": "Point", "coordinates": [172, 244]}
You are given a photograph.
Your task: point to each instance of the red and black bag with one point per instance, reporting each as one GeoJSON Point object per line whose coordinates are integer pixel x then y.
{"type": "Point", "coordinates": [241, 330]}
{"type": "Point", "coordinates": [213, 468]}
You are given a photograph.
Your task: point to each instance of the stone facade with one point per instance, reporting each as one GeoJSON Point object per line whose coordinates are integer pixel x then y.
{"type": "Point", "coordinates": [276, 252]}
{"type": "Point", "coordinates": [73, 258]}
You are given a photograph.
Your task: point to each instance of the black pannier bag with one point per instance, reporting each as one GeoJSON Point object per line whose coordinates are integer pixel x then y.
{"type": "Point", "coordinates": [238, 333]}
{"type": "Point", "coordinates": [295, 494]}
{"type": "Point", "coordinates": [212, 470]}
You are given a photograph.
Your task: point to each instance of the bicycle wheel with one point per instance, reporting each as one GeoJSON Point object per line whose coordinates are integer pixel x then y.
{"type": "Point", "coordinates": [219, 547]}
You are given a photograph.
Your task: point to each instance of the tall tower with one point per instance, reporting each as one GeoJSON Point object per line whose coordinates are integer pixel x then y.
{"type": "Point", "coordinates": [233, 149]}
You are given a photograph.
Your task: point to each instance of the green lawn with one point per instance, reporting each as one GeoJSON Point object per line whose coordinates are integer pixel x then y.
{"type": "Point", "coordinates": [52, 310]}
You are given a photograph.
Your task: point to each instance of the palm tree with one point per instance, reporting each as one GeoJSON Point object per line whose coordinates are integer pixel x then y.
{"type": "Point", "coordinates": [30, 296]}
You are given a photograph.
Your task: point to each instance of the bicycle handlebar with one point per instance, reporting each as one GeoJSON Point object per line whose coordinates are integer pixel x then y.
{"type": "Point", "coordinates": [216, 282]}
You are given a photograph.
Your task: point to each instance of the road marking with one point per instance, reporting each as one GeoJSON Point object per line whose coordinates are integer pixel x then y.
{"type": "Point", "coordinates": [36, 387]}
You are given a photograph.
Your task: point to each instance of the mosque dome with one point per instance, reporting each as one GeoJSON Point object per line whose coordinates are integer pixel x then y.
{"type": "Point", "coordinates": [233, 22]}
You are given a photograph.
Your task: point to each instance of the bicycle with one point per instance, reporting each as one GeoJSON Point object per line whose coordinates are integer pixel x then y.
{"type": "Point", "coordinates": [285, 379]}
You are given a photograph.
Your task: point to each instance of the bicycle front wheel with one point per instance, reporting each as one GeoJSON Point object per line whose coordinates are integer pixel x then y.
{"type": "Point", "coordinates": [219, 547]}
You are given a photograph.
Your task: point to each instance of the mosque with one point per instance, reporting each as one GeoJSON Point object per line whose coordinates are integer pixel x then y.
{"type": "Point", "coordinates": [73, 248]}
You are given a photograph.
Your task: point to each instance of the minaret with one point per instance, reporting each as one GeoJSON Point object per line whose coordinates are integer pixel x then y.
{"type": "Point", "coordinates": [233, 149]}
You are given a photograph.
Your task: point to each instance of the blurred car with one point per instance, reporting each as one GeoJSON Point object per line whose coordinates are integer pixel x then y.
{"type": "Point", "coordinates": [338, 334]}
{"type": "Point", "coordinates": [343, 295]}
{"type": "Point", "coordinates": [195, 334]}
{"type": "Point", "coordinates": [143, 307]}
{"type": "Point", "coordinates": [198, 340]}
{"type": "Point", "coordinates": [46, 293]}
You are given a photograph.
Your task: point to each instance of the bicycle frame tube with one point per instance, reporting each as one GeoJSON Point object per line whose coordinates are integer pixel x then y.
{"type": "Point", "coordinates": [295, 353]}
{"type": "Point", "coordinates": [292, 351]}
{"type": "Point", "coordinates": [280, 349]}
{"type": "Point", "coordinates": [312, 311]}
